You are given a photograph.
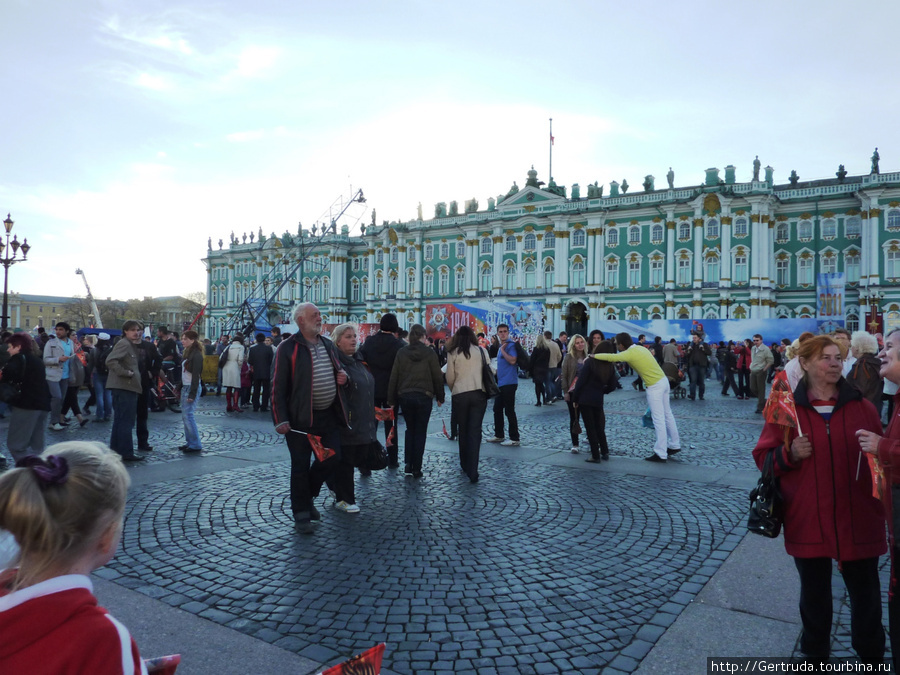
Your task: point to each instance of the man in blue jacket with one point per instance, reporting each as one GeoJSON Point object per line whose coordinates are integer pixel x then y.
{"type": "Point", "coordinates": [508, 380]}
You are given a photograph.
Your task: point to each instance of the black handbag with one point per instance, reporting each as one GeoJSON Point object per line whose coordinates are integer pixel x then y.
{"type": "Point", "coordinates": [766, 507]}
{"type": "Point", "coordinates": [10, 391]}
{"type": "Point", "coordinates": [488, 379]}
{"type": "Point", "coordinates": [375, 458]}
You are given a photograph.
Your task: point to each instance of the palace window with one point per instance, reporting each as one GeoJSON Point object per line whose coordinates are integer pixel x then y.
{"type": "Point", "coordinates": [805, 271]}
{"type": "Point", "coordinates": [893, 219]}
{"type": "Point", "coordinates": [851, 267]}
{"type": "Point", "coordinates": [712, 228]}
{"type": "Point", "coordinates": [579, 238]}
{"type": "Point", "coordinates": [853, 227]}
{"type": "Point", "coordinates": [460, 280]}
{"type": "Point", "coordinates": [684, 272]}
{"type": "Point", "coordinates": [829, 264]}
{"type": "Point", "coordinates": [711, 268]}
{"type": "Point", "coordinates": [548, 275]}
{"type": "Point", "coordinates": [656, 272]}
{"type": "Point", "coordinates": [486, 246]}
{"type": "Point", "coordinates": [829, 228]}
{"type": "Point", "coordinates": [740, 227]}
{"type": "Point", "coordinates": [326, 289]}
{"type": "Point", "coordinates": [429, 251]}
{"type": "Point", "coordinates": [892, 265]}
{"type": "Point", "coordinates": [511, 243]}
{"type": "Point", "coordinates": [444, 282]}
{"type": "Point", "coordinates": [549, 240]}
{"type": "Point", "coordinates": [634, 235]}
{"type": "Point", "coordinates": [460, 249]}
{"type": "Point", "coordinates": [392, 284]}
{"type": "Point", "coordinates": [578, 275]}
{"type": "Point", "coordinates": [485, 279]}
{"type": "Point", "coordinates": [852, 322]}
{"type": "Point", "coordinates": [395, 255]}
{"type": "Point", "coordinates": [529, 243]}
{"type": "Point", "coordinates": [445, 251]}
{"type": "Point", "coordinates": [612, 237]}
{"type": "Point", "coordinates": [782, 274]}
{"type": "Point", "coordinates": [410, 283]}
{"type": "Point", "coordinates": [411, 253]}
{"type": "Point", "coordinates": [684, 230]}
{"type": "Point", "coordinates": [354, 291]}
{"type": "Point", "coordinates": [379, 257]}
{"type": "Point", "coordinates": [656, 233]}
{"type": "Point", "coordinates": [316, 291]}
{"type": "Point", "coordinates": [612, 273]}
{"type": "Point", "coordinates": [356, 264]}
{"type": "Point", "coordinates": [634, 273]}
{"type": "Point", "coordinates": [510, 276]}
{"type": "Point", "coordinates": [782, 232]}
{"type": "Point", "coordinates": [379, 284]}
{"type": "Point", "coordinates": [805, 230]}
{"type": "Point", "coordinates": [529, 275]}
{"type": "Point", "coordinates": [741, 273]}
{"type": "Point", "coordinates": [429, 283]}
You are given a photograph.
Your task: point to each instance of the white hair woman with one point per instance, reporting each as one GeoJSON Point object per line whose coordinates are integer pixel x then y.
{"type": "Point", "coordinates": [864, 372]}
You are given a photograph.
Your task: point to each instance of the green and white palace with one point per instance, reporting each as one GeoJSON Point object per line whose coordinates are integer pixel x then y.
{"type": "Point", "coordinates": [720, 249]}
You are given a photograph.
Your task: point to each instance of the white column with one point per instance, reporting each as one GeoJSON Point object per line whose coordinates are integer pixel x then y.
{"type": "Point", "coordinates": [499, 246]}
{"type": "Point", "coordinates": [757, 250]}
{"type": "Point", "coordinates": [561, 258]}
{"type": "Point", "coordinates": [370, 291]}
{"type": "Point", "coordinates": [698, 252]}
{"type": "Point", "coordinates": [539, 263]}
{"type": "Point", "coordinates": [725, 257]}
{"type": "Point", "coordinates": [420, 253]}
{"type": "Point", "coordinates": [671, 263]}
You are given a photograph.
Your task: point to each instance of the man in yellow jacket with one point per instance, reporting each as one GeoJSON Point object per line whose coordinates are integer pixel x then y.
{"type": "Point", "coordinates": [657, 385]}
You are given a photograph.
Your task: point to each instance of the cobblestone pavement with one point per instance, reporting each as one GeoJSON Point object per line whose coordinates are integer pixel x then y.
{"type": "Point", "coordinates": [538, 568]}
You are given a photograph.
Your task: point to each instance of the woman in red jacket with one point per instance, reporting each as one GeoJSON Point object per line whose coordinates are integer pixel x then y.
{"type": "Point", "coordinates": [829, 511]}
{"type": "Point", "coordinates": [743, 369]}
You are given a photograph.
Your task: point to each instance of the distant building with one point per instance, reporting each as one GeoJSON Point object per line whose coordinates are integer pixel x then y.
{"type": "Point", "coordinates": [720, 249]}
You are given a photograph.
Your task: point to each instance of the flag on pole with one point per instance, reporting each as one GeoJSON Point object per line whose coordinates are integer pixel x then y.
{"type": "Point", "coordinates": [780, 407]}
{"type": "Point", "coordinates": [384, 414]}
{"type": "Point", "coordinates": [445, 429]}
{"type": "Point", "coordinates": [551, 138]}
{"type": "Point", "coordinates": [319, 450]}
{"type": "Point", "coordinates": [369, 663]}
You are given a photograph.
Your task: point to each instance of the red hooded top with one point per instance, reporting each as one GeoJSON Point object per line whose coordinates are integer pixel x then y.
{"type": "Point", "coordinates": [57, 627]}
{"type": "Point", "coordinates": [829, 511]}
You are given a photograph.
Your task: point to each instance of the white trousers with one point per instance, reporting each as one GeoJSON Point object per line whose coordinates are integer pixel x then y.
{"type": "Point", "coordinates": [663, 420]}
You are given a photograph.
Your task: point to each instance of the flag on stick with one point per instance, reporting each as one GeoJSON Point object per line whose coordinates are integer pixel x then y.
{"type": "Point", "coordinates": [368, 663]}
{"type": "Point", "coordinates": [319, 450]}
{"type": "Point", "coordinates": [445, 429]}
{"type": "Point", "coordinates": [384, 414]}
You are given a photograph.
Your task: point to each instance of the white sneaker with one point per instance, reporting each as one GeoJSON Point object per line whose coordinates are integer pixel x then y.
{"type": "Point", "coordinates": [346, 508]}
{"type": "Point", "coordinates": [575, 450]}
{"type": "Point", "coordinates": [510, 442]}
{"type": "Point", "coordinates": [494, 439]}
{"type": "Point", "coordinates": [57, 427]}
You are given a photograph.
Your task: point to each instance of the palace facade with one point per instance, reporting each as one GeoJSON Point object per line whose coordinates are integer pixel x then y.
{"type": "Point", "coordinates": [717, 250]}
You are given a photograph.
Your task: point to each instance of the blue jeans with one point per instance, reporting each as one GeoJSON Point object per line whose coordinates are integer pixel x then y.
{"type": "Point", "coordinates": [416, 410]}
{"type": "Point", "coordinates": [125, 405]}
{"type": "Point", "coordinates": [103, 406]}
{"type": "Point", "coordinates": [191, 435]}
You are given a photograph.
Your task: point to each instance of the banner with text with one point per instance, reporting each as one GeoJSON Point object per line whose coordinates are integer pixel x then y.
{"type": "Point", "coordinates": [830, 296]}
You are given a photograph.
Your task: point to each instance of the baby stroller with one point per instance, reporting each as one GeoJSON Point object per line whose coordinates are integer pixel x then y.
{"type": "Point", "coordinates": [675, 378]}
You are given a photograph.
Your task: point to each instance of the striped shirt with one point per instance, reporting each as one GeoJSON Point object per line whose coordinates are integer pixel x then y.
{"type": "Point", "coordinates": [324, 387]}
{"type": "Point", "coordinates": [824, 408]}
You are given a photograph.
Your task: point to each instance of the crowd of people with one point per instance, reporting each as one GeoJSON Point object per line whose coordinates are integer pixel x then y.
{"type": "Point", "coordinates": [328, 396]}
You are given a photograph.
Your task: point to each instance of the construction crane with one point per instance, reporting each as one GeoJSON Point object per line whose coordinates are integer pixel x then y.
{"type": "Point", "coordinates": [90, 297]}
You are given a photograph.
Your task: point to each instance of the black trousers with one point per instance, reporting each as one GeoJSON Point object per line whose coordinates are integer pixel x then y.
{"type": "Point", "coordinates": [864, 589]}
{"type": "Point", "coordinates": [698, 379]}
{"type": "Point", "coordinates": [505, 404]}
{"type": "Point", "coordinates": [390, 446]}
{"type": "Point", "coordinates": [306, 480]}
{"type": "Point", "coordinates": [573, 420]}
{"type": "Point", "coordinates": [595, 427]}
{"type": "Point", "coordinates": [728, 381]}
{"type": "Point", "coordinates": [744, 383]}
{"type": "Point", "coordinates": [143, 433]}
{"type": "Point", "coordinates": [262, 386]}
{"type": "Point", "coordinates": [342, 479]}
{"type": "Point", "coordinates": [470, 407]}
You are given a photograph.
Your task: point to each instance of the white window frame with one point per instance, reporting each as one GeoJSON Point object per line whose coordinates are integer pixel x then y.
{"type": "Point", "coordinates": [579, 238]}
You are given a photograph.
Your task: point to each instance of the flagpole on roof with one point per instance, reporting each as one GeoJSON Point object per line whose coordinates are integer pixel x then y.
{"type": "Point", "coordinates": [551, 150]}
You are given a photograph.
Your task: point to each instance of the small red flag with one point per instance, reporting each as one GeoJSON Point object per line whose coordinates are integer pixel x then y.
{"type": "Point", "coordinates": [445, 429]}
{"type": "Point", "coordinates": [780, 408]}
{"type": "Point", "coordinates": [369, 662]}
{"type": "Point", "coordinates": [322, 453]}
{"type": "Point", "coordinates": [384, 414]}
{"type": "Point", "coordinates": [392, 436]}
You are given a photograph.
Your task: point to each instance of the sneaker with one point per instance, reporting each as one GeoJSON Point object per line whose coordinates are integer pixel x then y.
{"type": "Point", "coordinates": [56, 427]}
{"type": "Point", "coordinates": [133, 458]}
{"type": "Point", "coordinates": [408, 471]}
{"type": "Point", "coordinates": [346, 508]}
{"type": "Point", "coordinates": [303, 526]}
{"type": "Point", "coordinates": [494, 439]}
{"type": "Point", "coordinates": [510, 443]}
{"type": "Point", "coordinates": [574, 449]}
{"type": "Point", "coordinates": [655, 458]}
{"type": "Point", "coordinates": [314, 513]}
{"type": "Point", "coordinates": [593, 460]}
{"type": "Point", "coordinates": [673, 451]}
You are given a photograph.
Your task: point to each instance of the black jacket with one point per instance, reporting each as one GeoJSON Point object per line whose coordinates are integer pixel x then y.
{"type": "Point", "coordinates": [292, 383]}
{"type": "Point", "coordinates": [149, 362]}
{"type": "Point", "coordinates": [540, 363]}
{"type": "Point", "coordinates": [698, 354]}
{"type": "Point", "coordinates": [595, 379]}
{"type": "Point", "coordinates": [379, 352]}
{"type": "Point", "coordinates": [416, 371]}
{"type": "Point", "coordinates": [260, 359]}
{"type": "Point", "coordinates": [360, 402]}
{"type": "Point", "coordinates": [28, 370]}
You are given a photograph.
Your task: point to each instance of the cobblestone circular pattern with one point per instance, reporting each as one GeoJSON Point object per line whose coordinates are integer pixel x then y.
{"type": "Point", "coordinates": [534, 569]}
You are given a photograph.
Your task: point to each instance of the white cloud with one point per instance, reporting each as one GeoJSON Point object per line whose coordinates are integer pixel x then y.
{"type": "Point", "coordinates": [254, 60]}
{"type": "Point", "coordinates": [245, 136]}
{"type": "Point", "coordinates": [154, 82]}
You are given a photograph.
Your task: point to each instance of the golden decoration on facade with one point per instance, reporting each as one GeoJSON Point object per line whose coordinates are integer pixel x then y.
{"type": "Point", "coordinates": [529, 209]}
{"type": "Point", "coordinates": [711, 204]}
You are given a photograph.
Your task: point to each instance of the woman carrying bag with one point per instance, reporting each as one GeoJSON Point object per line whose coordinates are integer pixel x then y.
{"type": "Point", "coordinates": [465, 365]}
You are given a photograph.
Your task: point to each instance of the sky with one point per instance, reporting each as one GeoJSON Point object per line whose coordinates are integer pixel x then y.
{"type": "Point", "coordinates": [134, 131]}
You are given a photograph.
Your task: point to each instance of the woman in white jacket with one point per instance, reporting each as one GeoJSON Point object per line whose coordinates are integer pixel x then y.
{"type": "Point", "coordinates": [231, 373]}
{"type": "Point", "coordinates": [464, 368]}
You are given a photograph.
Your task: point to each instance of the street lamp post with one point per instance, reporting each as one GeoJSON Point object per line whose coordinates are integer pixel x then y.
{"type": "Point", "coordinates": [7, 261]}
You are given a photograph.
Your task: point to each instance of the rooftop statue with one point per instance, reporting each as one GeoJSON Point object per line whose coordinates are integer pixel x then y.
{"type": "Point", "coordinates": [419, 211]}
{"type": "Point", "coordinates": [576, 191]}
{"type": "Point", "coordinates": [471, 205]}
{"type": "Point", "coordinates": [841, 173]}
{"type": "Point", "coordinates": [794, 178]}
{"type": "Point", "coordinates": [648, 183]}
{"type": "Point", "coordinates": [670, 177]}
{"type": "Point", "coordinates": [513, 190]}
{"type": "Point", "coordinates": [491, 204]}
{"type": "Point", "coordinates": [440, 209]}
{"type": "Point", "coordinates": [245, 238]}
{"type": "Point", "coordinates": [373, 217]}
{"type": "Point", "coordinates": [454, 208]}
{"type": "Point", "coordinates": [756, 165]}
{"type": "Point", "coordinates": [220, 244]}
{"type": "Point", "coordinates": [532, 179]}
{"type": "Point", "coordinates": [251, 237]}
{"type": "Point", "coordinates": [770, 174]}
{"type": "Point", "coordinates": [260, 236]}
{"type": "Point", "coordinates": [209, 244]}
{"type": "Point", "coordinates": [624, 186]}
{"type": "Point", "coordinates": [875, 158]}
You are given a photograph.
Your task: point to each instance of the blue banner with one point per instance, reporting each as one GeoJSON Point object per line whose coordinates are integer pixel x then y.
{"type": "Point", "coordinates": [716, 330]}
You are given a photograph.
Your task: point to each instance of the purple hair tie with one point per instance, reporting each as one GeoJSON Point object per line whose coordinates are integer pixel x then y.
{"type": "Point", "coordinates": [51, 471]}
